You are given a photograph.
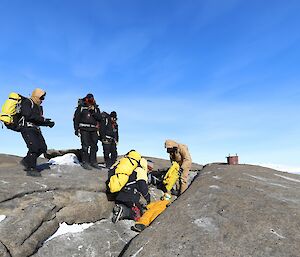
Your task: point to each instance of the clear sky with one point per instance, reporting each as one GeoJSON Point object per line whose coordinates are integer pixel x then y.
{"type": "Point", "coordinates": [220, 76]}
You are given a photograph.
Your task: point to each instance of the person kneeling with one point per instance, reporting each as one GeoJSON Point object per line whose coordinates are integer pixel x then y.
{"type": "Point", "coordinates": [128, 204]}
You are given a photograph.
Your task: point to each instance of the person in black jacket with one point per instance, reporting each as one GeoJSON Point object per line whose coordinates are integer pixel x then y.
{"type": "Point", "coordinates": [109, 134]}
{"type": "Point", "coordinates": [86, 124]}
{"type": "Point", "coordinates": [127, 201]}
{"type": "Point", "coordinates": [32, 118]}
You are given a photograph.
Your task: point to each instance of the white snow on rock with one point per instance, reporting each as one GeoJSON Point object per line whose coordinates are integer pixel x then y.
{"type": "Point", "coordinates": [66, 159]}
{"type": "Point", "coordinates": [64, 228]}
{"type": "Point", "coordinates": [206, 223]}
{"type": "Point", "coordinates": [2, 217]}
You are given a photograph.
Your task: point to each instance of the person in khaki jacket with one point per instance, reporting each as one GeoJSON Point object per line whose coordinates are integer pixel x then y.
{"type": "Point", "coordinates": [180, 154]}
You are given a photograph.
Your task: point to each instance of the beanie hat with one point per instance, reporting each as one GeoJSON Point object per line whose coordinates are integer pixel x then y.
{"type": "Point", "coordinates": [113, 114]}
{"type": "Point", "coordinates": [89, 95]}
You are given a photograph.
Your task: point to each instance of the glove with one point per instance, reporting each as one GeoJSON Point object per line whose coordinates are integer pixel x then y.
{"type": "Point", "coordinates": [166, 196]}
{"type": "Point", "coordinates": [77, 133]}
{"type": "Point", "coordinates": [49, 123]}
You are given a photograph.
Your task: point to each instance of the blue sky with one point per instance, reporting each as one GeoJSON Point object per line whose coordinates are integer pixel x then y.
{"type": "Point", "coordinates": [220, 76]}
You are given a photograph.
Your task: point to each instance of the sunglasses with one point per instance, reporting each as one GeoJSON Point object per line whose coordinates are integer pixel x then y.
{"type": "Point", "coordinates": [171, 150]}
{"type": "Point", "coordinates": [42, 97]}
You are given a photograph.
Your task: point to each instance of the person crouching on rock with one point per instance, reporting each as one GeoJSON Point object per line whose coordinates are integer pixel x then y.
{"type": "Point", "coordinates": [86, 119]}
{"type": "Point", "coordinates": [180, 154]}
{"type": "Point", "coordinates": [128, 204]}
{"type": "Point", "coordinates": [32, 118]}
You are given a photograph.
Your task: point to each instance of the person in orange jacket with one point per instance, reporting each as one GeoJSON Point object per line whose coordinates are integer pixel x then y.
{"type": "Point", "coordinates": [180, 154]}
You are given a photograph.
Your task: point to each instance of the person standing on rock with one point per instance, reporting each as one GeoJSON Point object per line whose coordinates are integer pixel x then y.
{"type": "Point", "coordinates": [86, 125]}
{"type": "Point", "coordinates": [32, 118]}
{"type": "Point", "coordinates": [180, 154]}
{"type": "Point", "coordinates": [109, 134]}
{"type": "Point", "coordinates": [128, 204]}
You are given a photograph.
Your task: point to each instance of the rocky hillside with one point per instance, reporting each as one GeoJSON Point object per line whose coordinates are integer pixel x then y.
{"type": "Point", "coordinates": [238, 210]}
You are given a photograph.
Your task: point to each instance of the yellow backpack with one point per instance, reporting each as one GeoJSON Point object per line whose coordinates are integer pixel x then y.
{"type": "Point", "coordinates": [122, 170]}
{"type": "Point", "coordinates": [171, 176]}
{"type": "Point", "coordinates": [11, 111]}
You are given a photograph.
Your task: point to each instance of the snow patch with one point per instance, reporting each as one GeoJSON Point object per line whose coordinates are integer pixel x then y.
{"type": "Point", "coordinates": [214, 186]}
{"type": "Point", "coordinates": [2, 217]}
{"type": "Point", "coordinates": [216, 177]}
{"type": "Point", "coordinates": [206, 223]}
{"type": "Point", "coordinates": [64, 228]}
{"type": "Point", "coordinates": [67, 159]}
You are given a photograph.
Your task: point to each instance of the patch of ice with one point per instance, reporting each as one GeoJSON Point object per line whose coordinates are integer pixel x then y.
{"type": "Point", "coordinates": [66, 159]}
{"type": "Point", "coordinates": [64, 228]}
{"type": "Point", "coordinates": [2, 217]}
{"type": "Point", "coordinates": [206, 223]}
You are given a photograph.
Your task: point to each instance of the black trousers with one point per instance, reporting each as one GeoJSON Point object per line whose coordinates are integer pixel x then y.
{"type": "Point", "coordinates": [110, 153]}
{"type": "Point", "coordinates": [35, 143]}
{"type": "Point", "coordinates": [89, 140]}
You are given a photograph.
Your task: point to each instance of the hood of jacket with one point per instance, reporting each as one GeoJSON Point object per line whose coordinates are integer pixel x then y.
{"type": "Point", "coordinates": [170, 144]}
{"type": "Point", "coordinates": [36, 95]}
{"type": "Point", "coordinates": [142, 171]}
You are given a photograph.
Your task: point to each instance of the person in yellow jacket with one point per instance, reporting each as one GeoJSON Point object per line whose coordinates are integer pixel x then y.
{"type": "Point", "coordinates": [128, 199]}
{"type": "Point", "coordinates": [180, 154]}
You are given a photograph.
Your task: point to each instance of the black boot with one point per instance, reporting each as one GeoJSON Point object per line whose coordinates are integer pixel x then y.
{"type": "Point", "coordinates": [117, 213]}
{"type": "Point", "coordinates": [96, 166]}
{"type": "Point", "coordinates": [138, 227]}
{"type": "Point", "coordinates": [32, 172]}
{"type": "Point", "coordinates": [86, 166]}
{"type": "Point", "coordinates": [24, 163]}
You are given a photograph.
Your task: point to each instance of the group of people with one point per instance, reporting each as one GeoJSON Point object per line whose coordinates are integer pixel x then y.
{"type": "Point", "coordinates": [90, 124]}
{"type": "Point", "coordinates": [128, 200]}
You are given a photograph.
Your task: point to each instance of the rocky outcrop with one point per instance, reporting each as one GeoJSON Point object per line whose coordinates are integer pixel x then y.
{"type": "Point", "coordinates": [236, 210]}
{"type": "Point", "coordinates": [229, 210]}
{"type": "Point", "coordinates": [34, 207]}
